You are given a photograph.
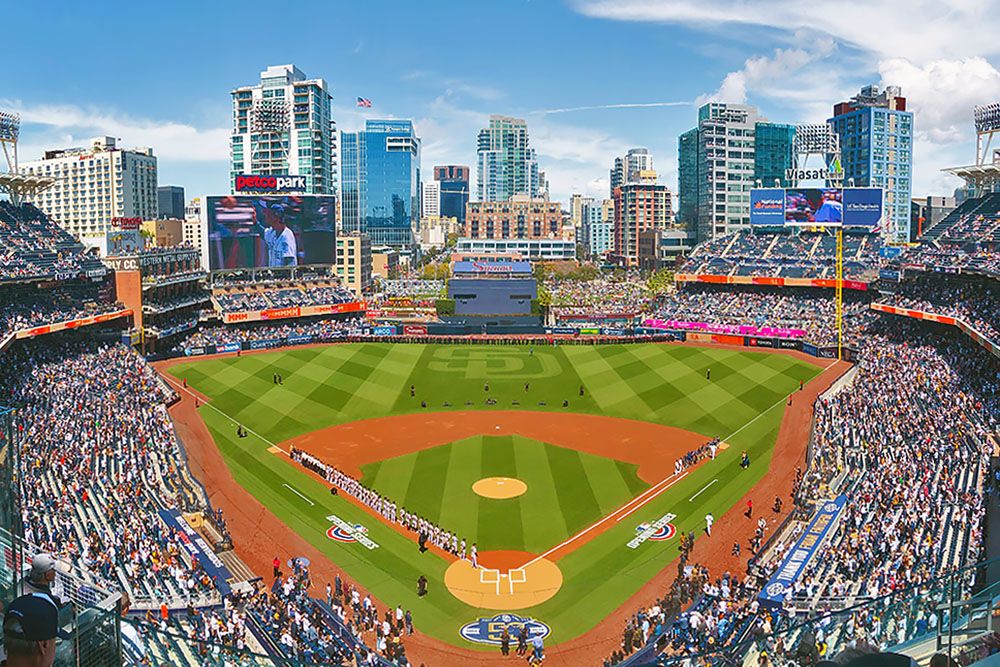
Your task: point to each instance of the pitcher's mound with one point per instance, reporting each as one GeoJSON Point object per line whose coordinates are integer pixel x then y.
{"type": "Point", "coordinates": [499, 488]}
{"type": "Point", "coordinates": [503, 590]}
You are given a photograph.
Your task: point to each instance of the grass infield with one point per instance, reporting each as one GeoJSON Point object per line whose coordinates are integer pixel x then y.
{"type": "Point", "coordinates": [567, 490]}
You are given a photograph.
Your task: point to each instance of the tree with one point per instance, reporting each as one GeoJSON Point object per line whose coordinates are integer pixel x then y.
{"type": "Point", "coordinates": [660, 281]}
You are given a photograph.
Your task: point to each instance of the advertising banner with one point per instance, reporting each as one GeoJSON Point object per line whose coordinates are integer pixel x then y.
{"type": "Point", "coordinates": [269, 183]}
{"type": "Point", "coordinates": [194, 351]}
{"type": "Point", "coordinates": [767, 206]}
{"type": "Point", "coordinates": [199, 549]}
{"type": "Point", "coordinates": [384, 330]}
{"type": "Point", "coordinates": [73, 324]}
{"type": "Point", "coordinates": [498, 268]}
{"type": "Point", "coordinates": [299, 340]}
{"type": "Point", "coordinates": [890, 275]}
{"type": "Point", "coordinates": [262, 231]}
{"type": "Point", "coordinates": [804, 551]}
{"type": "Point", "coordinates": [228, 347]}
{"type": "Point", "coordinates": [862, 207]}
{"type": "Point", "coordinates": [561, 330]}
{"type": "Point", "coordinates": [809, 348]}
{"type": "Point", "coordinates": [414, 330]}
{"type": "Point", "coordinates": [294, 311]}
{"type": "Point", "coordinates": [759, 280]}
{"type": "Point", "coordinates": [124, 242]}
{"type": "Point", "coordinates": [743, 330]}
{"type": "Point", "coordinates": [616, 332]}
{"type": "Point", "coordinates": [265, 344]}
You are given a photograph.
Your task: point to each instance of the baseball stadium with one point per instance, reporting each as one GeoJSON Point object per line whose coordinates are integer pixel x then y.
{"type": "Point", "coordinates": [777, 447]}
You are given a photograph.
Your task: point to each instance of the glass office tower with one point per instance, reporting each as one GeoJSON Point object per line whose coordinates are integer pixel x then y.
{"type": "Point", "coordinates": [380, 182]}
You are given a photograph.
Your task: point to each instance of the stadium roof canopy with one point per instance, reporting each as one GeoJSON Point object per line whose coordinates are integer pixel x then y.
{"type": "Point", "coordinates": [20, 185]}
{"type": "Point", "coordinates": [981, 176]}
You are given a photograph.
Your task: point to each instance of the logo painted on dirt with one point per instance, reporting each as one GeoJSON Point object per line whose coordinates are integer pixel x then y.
{"type": "Point", "coordinates": [660, 534]}
{"type": "Point", "coordinates": [341, 531]}
{"type": "Point", "coordinates": [659, 530]}
{"type": "Point", "coordinates": [482, 363]}
{"type": "Point", "coordinates": [489, 630]}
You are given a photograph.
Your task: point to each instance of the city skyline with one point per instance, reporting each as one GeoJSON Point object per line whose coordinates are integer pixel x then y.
{"type": "Point", "coordinates": [581, 108]}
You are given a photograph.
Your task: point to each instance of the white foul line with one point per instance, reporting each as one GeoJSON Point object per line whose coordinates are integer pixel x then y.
{"type": "Point", "coordinates": [299, 495]}
{"type": "Point", "coordinates": [195, 396]}
{"type": "Point", "coordinates": [631, 506]}
{"type": "Point", "coordinates": [705, 488]}
{"type": "Point", "coordinates": [779, 402]}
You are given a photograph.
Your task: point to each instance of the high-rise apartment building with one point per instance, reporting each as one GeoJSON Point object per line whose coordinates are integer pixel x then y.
{"type": "Point", "coordinates": [876, 146]}
{"type": "Point", "coordinates": [597, 226]}
{"type": "Point", "coordinates": [506, 165]}
{"type": "Point", "coordinates": [453, 180]}
{"type": "Point", "coordinates": [430, 199]}
{"type": "Point", "coordinates": [719, 165]}
{"type": "Point", "coordinates": [380, 182]}
{"type": "Point", "coordinates": [639, 205]}
{"type": "Point", "coordinates": [170, 202]}
{"type": "Point", "coordinates": [283, 125]}
{"type": "Point", "coordinates": [94, 185]}
{"type": "Point", "coordinates": [626, 168]}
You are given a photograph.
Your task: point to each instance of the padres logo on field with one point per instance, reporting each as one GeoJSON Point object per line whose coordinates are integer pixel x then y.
{"type": "Point", "coordinates": [489, 630]}
{"type": "Point", "coordinates": [659, 534]}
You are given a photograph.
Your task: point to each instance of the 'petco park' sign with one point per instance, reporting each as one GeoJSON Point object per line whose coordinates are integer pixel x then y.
{"type": "Point", "coordinates": [280, 183]}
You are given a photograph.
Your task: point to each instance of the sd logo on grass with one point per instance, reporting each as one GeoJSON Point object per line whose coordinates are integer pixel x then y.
{"type": "Point", "coordinates": [489, 630]}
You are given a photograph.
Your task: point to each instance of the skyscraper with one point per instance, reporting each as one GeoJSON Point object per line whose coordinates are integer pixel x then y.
{"type": "Point", "coordinates": [719, 164]}
{"type": "Point", "coordinates": [170, 202]}
{"type": "Point", "coordinates": [506, 165]}
{"type": "Point", "coordinates": [430, 199]}
{"type": "Point", "coordinates": [876, 145]}
{"type": "Point", "coordinates": [283, 125]}
{"type": "Point", "coordinates": [639, 205]}
{"type": "Point", "coordinates": [380, 183]}
{"type": "Point", "coordinates": [626, 168]}
{"type": "Point", "coordinates": [454, 185]}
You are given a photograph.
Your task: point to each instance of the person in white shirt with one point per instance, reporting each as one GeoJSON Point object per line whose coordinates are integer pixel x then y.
{"type": "Point", "coordinates": [709, 520]}
{"type": "Point", "coordinates": [281, 247]}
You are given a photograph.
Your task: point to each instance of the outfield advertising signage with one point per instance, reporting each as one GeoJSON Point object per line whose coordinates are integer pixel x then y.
{"type": "Point", "coordinates": [251, 231]}
{"type": "Point", "coordinates": [851, 207]}
{"type": "Point", "coordinates": [862, 207]}
{"type": "Point", "coordinates": [270, 183]}
{"type": "Point", "coordinates": [767, 206]}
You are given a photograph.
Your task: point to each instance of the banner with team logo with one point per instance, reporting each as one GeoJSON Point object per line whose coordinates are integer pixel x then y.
{"type": "Point", "coordinates": [805, 550]}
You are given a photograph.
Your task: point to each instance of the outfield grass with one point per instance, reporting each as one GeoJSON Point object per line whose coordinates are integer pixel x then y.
{"type": "Point", "coordinates": [568, 490]}
{"type": "Point", "coordinates": [323, 386]}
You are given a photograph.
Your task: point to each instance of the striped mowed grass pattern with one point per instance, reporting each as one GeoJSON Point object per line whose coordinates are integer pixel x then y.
{"type": "Point", "coordinates": [335, 384]}
{"type": "Point", "coordinates": [340, 383]}
{"type": "Point", "coordinates": [568, 490]}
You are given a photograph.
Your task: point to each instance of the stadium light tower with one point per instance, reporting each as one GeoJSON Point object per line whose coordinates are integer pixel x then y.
{"type": "Point", "coordinates": [987, 119]}
{"type": "Point", "coordinates": [818, 140]}
{"type": "Point", "coordinates": [15, 184]}
{"type": "Point", "coordinates": [269, 121]}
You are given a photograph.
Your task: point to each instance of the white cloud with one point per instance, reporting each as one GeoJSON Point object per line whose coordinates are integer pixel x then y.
{"type": "Point", "coordinates": [627, 105]}
{"type": "Point", "coordinates": [58, 126]}
{"type": "Point", "coordinates": [919, 30]}
{"type": "Point", "coordinates": [761, 73]}
{"type": "Point", "coordinates": [942, 93]}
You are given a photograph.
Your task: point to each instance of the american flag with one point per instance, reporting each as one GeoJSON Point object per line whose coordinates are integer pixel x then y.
{"type": "Point", "coordinates": [364, 102]}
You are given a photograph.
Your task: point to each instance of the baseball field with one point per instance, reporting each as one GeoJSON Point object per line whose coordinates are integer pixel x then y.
{"type": "Point", "coordinates": [556, 461]}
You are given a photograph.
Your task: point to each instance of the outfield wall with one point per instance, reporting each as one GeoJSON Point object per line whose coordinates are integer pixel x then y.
{"type": "Point", "coordinates": [424, 333]}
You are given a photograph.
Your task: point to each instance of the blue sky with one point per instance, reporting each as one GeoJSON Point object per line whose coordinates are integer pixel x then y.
{"type": "Point", "coordinates": [159, 74]}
